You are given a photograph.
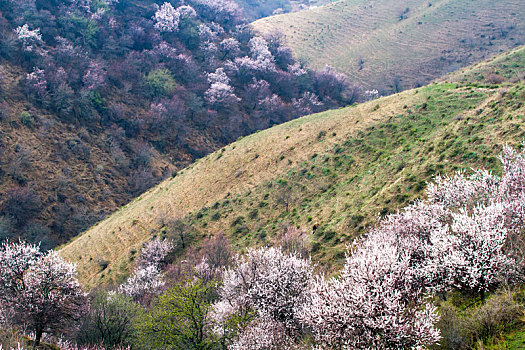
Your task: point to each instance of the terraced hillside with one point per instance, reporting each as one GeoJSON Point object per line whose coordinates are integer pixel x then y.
{"type": "Point", "coordinates": [338, 169]}
{"type": "Point", "coordinates": [393, 45]}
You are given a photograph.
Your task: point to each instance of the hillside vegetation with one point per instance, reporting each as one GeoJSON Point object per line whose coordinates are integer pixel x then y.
{"type": "Point", "coordinates": [391, 45]}
{"type": "Point", "coordinates": [101, 100]}
{"type": "Point", "coordinates": [336, 170]}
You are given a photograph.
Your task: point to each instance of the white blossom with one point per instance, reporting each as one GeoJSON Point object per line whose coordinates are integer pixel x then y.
{"type": "Point", "coordinates": [28, 37]}
{"type": "Point", "coordinates": [220, 91]}
{"type": "Point", "coordinates": [263, 334]}
{"type": "Point", "coordinates": [308, 103]}
{"type": "Point", "coordinates": [372, 95]}
{"type": "Point", "coordinates": [269, 281]}
{"type": "Point", "coordinates": [167, 18]}
{"type": "Point", "coordinates": [154, 251]}
{"type": "Point", "coordinates": [226, 9]}
{"type": "Point", "coordinates": [229, 46]}
{"type": "Point", "coordinates": [296, 69]}
{"type": "Point", "coordinates": [186, 11]}
{"type": "Point", "coordinates": [147, 278]}
{"type": "Point", "coordinates": [41, 290]}
{"type": "Point", "coordinates": [206, 34]}
{"type": "Point", "coordinates": [221, 94]}
{"type": "Point", "coordinates": [142, 282]}
{"type": "Point", "coordinates": [219, 76]}
{"type": "Point", "coordinates": [374, 304]}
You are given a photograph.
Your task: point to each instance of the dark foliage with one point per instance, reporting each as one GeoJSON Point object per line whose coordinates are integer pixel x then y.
{"type": "Point", "coordinates": [174, 80]}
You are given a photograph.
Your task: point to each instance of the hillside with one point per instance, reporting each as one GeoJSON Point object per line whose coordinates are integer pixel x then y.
{"type": "Point", "coordinates": [338, 169]}
{"type": "Point", "coordinates": [390, 45]}
{"type": "Point", "coordinates": [101, 100]}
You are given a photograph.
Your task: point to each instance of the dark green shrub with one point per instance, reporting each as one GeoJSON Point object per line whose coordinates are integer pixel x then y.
{"type": "Point", "coordinates": [109, 321]}
{"type": "Point", "coordinates": [160, 82]}
{"type": "Point", "coordinates": [26, 119]}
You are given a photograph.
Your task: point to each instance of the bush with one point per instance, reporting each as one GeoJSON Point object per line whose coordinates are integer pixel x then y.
{"type": "Point", "coordinates": [499, 313]}
{"type": "Point", "coordinates": [179, 319]}
{"type": "Point", "coordinates": [22, 203]}
{"type": "Point", "coordinates": [454, 329]}
{"type": "Point", "coordinates": [160, 82]}
{"type": "Point", "coordinates": [26, 119]}
{"type": "Point", "coordinates": [478, 324]}
{"type": "Point", "coordinates": [494, 79]}
{"type": "Point", "coordinates": [109, 321]}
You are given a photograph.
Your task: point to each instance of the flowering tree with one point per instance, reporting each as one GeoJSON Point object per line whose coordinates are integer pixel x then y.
{"type": "Point", "coordinates": [147, 279]}
{"type": "Point", "coordinates": [307, 104]}
{"type": "Point", "coordinates": [256, 91]}
{"type": "Point", "coordinates": [297, 70]}
{"type": "Point", "coordinates": [229, 47]}
{"type": "Point", "coordinates": [186, 12]}
{"type": "Point", "coordinates": [220, 10]}
{"type": "Point", "coordinates": [167, 18]}
{"type": "Point", "coordinates": [475, 256]}
{"type": "Point", "coordinates": [262, 333]}
{"type": "Point", "coordinates": [28, 37]}
{"type": "Point", "coordinates": [261, 54]}
{"type": "Point", "coordinates": [260, 60]}
{"type": "Point", "coordinates": [458, 238]}
{"type": "Point", "coordinates": [466, 234]}
{"type": "Point", "coordinates": [330, 83]}
{"type": "Point", "coordinates": [220, 92]}
{"type": "Point", "coordinates": [142, 282]}
{"type": "Point", "coordinates": [36, 83]}
{"type": "Point", "coordinates": [95, 76]}
{"type": "Point", "coordinates": [270, 283]}
{"type": "Point", "coordinates": [206, 33]}
{"type": "Point", "coordinates": [41, 289]}
{"type": "Point", "coordinates": [371, 94]}
{"type": "Point", "coordinates": [374, 304]}
{"type": "Point", "coordinates": [153, 253]}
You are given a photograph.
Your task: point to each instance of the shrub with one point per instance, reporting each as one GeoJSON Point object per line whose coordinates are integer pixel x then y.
{"type": "Point", "coordinates": [294, 241]}
{"type": "Point", "coordinates": [462, 328]}
{"type": "Point", "coordinates": [22, 203]}
{"type": "Point", "coordinates": [160, 82]}
{"type": "Point", "coordinates": [109, 321]}
{"type": "Point", "coordinates": [217, 251]}
{"type": "Point", "coordinates": [499, 313]}
{"type": "Point", "coordinates": [454, 329]}
{"type": "Point", "coordinates": [494, 79]}
{"type": "Point", "coordinates": [26, 119]}
{"type": "Point", "coordinates": [179, 318]}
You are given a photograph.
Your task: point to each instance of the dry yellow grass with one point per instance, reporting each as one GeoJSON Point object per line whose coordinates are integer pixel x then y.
{"type": "Point", "coordinates": [210, 179]}
{"type": "Point", "coordinates": [369, 42]}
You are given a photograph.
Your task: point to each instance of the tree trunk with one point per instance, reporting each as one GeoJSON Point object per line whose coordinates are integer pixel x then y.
{"type": "Point", "coordinates": [38, 336]}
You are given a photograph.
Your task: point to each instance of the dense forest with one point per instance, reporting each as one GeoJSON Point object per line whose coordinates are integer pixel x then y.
{"type": "Point", "coordinates": [131, 91]}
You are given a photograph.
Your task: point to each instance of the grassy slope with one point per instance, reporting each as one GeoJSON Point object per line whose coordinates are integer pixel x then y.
{"type": "Point", "coordinates": [431, 41]}
{"type": "Point", "coordinates": [339, 168]}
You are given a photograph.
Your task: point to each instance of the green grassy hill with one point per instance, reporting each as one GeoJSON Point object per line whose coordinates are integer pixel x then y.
{"type": "Point", "coordinates": [394, 45]}
{"type": "Point", "coordinates": [339, 169]}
